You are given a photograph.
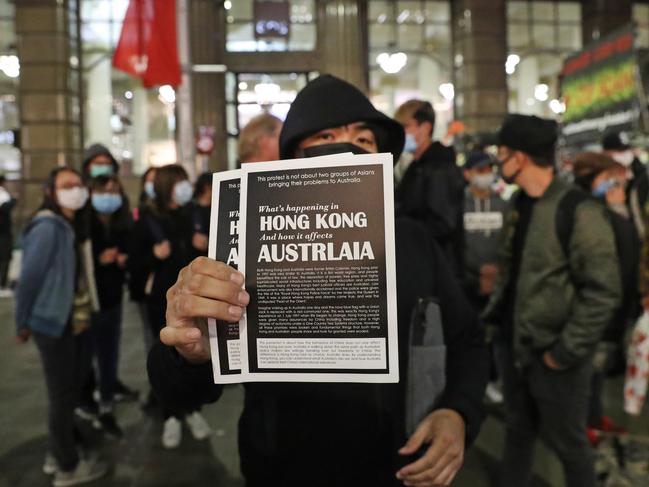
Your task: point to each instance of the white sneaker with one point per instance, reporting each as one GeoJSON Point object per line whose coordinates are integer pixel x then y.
{"type": "Point", "coordinates": [49, 465]}
{"type": "Point", "coordinates": [172, 433]}
{"type": "Point", "coordinates": [494, 393]}
{"type": "Point", "coordinates": [88, 469]}
{"type": "Point", "coordinates": [198, 426]}
{"type": "Point", "coordinates": [6, 293]}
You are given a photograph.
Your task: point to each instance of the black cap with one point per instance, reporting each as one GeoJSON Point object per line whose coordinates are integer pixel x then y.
{"type": "Point", "coordinates": [478, 159]}
{"type": "Point", "coordinates": [530, 134]}
{"type": "Point", "coordinates": [327, 102]}
{"type": "Point", "coordinates": [616, 141]}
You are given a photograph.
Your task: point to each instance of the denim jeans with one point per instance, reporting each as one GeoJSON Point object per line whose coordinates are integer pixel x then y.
{"type": "Point", "coordinates": [553, 405]}
{"type": "Point", "coordinates": [66, 363]}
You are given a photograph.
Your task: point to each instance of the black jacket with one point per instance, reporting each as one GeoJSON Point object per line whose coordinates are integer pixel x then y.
{"type": "Point", "coordinates": [345, 434]}
{"type": "Point", "coordinates": [152, 228]}
{"type": "Point", "coordinates": [432, 192]}
{"type": "Point", "coordinates": [628, 251]}
{"type": "Point", "coordinates": [109, 278]}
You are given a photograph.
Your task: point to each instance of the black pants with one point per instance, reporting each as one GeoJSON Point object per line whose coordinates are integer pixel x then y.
{"type": "Point", "coordinates": [6, 244]}
{"type": "Point", "coordinates": [156, 309]}
{"type": "Point", "coordinates": [551, 404]}
{"type": "Point", "coordinates": [66, 363]}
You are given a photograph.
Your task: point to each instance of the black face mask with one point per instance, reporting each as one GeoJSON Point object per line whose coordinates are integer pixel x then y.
{"type": "Point", "coordinates": [328, 149]}
{"type": "Point", "coordinates": [509, 179]}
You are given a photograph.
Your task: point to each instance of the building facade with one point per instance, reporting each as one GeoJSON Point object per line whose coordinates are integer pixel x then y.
{"type": "Point", "coordinates": [475, 60]}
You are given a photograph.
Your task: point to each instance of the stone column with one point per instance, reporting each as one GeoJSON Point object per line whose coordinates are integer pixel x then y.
{"type": "Point", "coordinates": [479, 55]}
{"type": "Point", "coordinates": [207, 47]}
{"type": "Point", "coordinates": [342, 40]}
{"type": "Point", "coordinates": [604, 16]}
{"type": "Point", "coordinates": [49, 92]}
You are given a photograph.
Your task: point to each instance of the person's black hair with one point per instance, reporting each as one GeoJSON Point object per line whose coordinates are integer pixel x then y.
{"type": "Point", "coordinates": [120, 220]}
{"type": "Point", "coordinates": [81, 221]}
{"type": "Point", "coordinates": [144, 197]}
{"type": "Point", "coordinates": [425, 113]}
{"type": "Point", "coordinates": [204, 181]}
{"type": "Point", "coordinates": [166, 178]}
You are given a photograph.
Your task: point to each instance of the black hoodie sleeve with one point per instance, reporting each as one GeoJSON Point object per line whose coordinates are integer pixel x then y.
{"type": "Point", "coordinates": [467, 363]}
{"type": "Point", "coordinates": [178, 383]}
{"type": "Point", "coordinates": [422, 271]}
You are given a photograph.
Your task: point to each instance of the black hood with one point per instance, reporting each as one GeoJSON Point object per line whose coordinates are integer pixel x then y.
{"type": "Point", "coordinates": [93, 151]}
{"type": "Point", "coordinates": [327, 102]}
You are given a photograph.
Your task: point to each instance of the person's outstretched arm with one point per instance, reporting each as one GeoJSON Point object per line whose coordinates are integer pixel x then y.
{"type": "Point", "coordinates": [179, 367]}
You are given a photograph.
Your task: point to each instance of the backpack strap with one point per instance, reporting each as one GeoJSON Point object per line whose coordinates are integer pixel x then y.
{"type": "Point", "coordinates": [565, 216]}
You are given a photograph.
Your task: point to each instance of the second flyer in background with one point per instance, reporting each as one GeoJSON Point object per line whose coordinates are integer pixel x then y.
{"type": "Point", "coordinates": [317, 249]}
{"type": "Point", "coordinates": [224, 246]}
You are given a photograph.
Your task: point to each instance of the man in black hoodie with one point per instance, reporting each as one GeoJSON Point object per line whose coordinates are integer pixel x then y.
{"type": "Point", "coordinates": [432, 188]}
{"type": "Point", "coordinates": [322, 434]}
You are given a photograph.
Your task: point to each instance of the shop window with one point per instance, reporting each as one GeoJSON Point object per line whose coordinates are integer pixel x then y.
{"type": "Point", "coordinates": [410, 55]}
{"type": "Point", "coordinates": [245, 32]}
{"type": "Point", "coordinates": [10, 164]}
{"type": "Point", "coordinates": [136, 124]}
{"type": "Point", "coordinates": [250, 94]}
{"type": "Point", "coordinates": [539, 36]}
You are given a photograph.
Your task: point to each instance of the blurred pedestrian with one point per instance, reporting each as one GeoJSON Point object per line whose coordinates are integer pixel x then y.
{"type": "Point", "coordinates": [110, 228]}
{"type": "Point", "coordinates": [605, 179]}
{"type": "Point", "coordinates": [259, 139]}
{"type": "Point", "coordinates": [552, 304]}
{"type": "Point", "coordinates": [483, 221]}
{"type": "Point", "coordinates": [201, 206]}
{"type": "Point", "coordinates": [162, 243]}
{"type": "Point", "coordinates": [432, 189]}
{"type": "Point", "coordinates": [618, 146]}
{"type": "Point", "coordinates": [98, 161]}
{"type": "Point", "coordinates": [54, 301]}
{"type": "Point", "coordinates": [484, 211]}
{"type": "Point", "coordinates": [139, 271]}
{"type": "Point", "coordinates": [7, 204]}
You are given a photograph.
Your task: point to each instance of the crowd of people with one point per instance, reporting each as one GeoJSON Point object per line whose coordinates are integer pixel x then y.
{"type": "Point", "coordinates": [536, 294]}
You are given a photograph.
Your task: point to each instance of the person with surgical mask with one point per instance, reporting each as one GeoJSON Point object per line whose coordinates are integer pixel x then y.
{"type": "Point", "coordinates": [483, 220]}
{"type": "Point", "coordinates": [110, 226]}
{"type": "Point", "coordinates": [617, 146]}
{"type": "Point", "coordinates": [605, 179]}
{"type": "Point", "coordinates": [138, 272]}
{"type": "Point", "coordinates": [162, 245]}
{"type": "Point", "coordinates": [55, 297]}
{"type": "Point", "coordinates": [98, 161]}
{"type": "Point", "coordinates": [484, 211]}
{"type": "Point", "coordinates": [431, 189]}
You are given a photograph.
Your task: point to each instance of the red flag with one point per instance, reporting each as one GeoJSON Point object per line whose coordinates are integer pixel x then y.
{"type": "Point", "coordinates": [147, 45]}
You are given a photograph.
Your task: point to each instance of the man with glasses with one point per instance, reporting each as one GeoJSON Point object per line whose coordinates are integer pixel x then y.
{"type": "Point", "coordinates": [551, 304]}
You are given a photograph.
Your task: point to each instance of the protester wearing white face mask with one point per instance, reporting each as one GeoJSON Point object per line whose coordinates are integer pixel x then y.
{"type": "Point", "coordinates": [162, 244]}
{"type": "Point", "coordinates": [617, 145]}
{"type": "Point", "coordinates": [54, 299]}
{"type": "Point", "coordinates": [484, 211]}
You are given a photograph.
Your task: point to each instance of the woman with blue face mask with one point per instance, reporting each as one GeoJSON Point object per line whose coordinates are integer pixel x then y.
{"type": "Point", "coordinates": [604, 178]}
{"type": "Point", "coordinates": [138, 272]}
{"type": "Point", "coordinates": [162, 245]}
{"type": "Point", "coordinates": [110, 228]}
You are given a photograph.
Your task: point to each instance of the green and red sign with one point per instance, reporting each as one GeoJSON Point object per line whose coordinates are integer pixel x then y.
{"type": "Point", "coordinates": [600, 89]}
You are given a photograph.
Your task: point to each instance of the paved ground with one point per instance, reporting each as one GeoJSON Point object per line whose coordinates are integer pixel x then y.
{"type": "Point", "coordinates": [140, 461]}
